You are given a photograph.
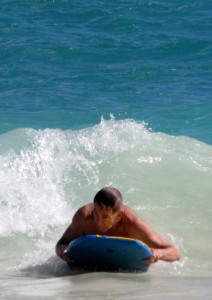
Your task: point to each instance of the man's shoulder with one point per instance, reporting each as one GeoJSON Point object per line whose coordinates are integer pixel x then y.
{"type": "Point", "coordinates": [83, 214]}
{"type": "Point", "coordinates": [130, 214]}
{"type": "Point", "coordinates": [128, 210]}
{"type": "Point", "coordinates": [86, 210]}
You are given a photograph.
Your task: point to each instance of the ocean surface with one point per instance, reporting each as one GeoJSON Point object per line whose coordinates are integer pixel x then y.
{"type": "Point", "coordinates": [97, 93]}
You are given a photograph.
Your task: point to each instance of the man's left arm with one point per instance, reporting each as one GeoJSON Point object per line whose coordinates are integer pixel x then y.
{"type": "Point", "coordinates": [161, 248]}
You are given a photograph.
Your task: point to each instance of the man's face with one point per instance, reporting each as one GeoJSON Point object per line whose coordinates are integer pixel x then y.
{"type": "Point", "coordinates": [104, 218]}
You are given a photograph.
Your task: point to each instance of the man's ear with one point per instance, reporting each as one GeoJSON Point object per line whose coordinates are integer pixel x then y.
{"type": "Point", "coordinates": [120, 214]}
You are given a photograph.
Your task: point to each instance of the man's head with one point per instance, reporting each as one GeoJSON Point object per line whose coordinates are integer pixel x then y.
{"type": "Point", "coordinates": [109, 197]}
{"type": "Point", "coordinates": [107, 208]}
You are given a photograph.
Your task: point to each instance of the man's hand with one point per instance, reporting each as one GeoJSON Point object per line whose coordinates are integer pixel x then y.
{"type": "Point", "coordinates": [65, 257]}
{"type": "Point", "coordinates": [156, 255]}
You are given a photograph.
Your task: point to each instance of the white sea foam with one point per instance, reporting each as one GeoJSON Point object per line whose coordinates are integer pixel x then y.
{"type": "Point", "coordinates": [166, 179]}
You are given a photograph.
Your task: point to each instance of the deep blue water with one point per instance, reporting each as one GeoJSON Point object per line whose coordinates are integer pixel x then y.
{"type": "Point", "coordinates": [64, 64]}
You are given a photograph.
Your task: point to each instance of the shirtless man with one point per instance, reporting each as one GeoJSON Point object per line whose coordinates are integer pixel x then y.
{"type": "Point", "coordinates": [107, 215]}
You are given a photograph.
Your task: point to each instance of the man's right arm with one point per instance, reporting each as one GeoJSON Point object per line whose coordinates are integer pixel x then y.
{"type": "Point", "coordinates": [62, 244]}
{"type": "Point", "coordinates": [71, 233]}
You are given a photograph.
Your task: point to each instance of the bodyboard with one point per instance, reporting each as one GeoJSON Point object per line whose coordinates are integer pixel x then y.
{"type": "Point", "coordinates": [107, 253]}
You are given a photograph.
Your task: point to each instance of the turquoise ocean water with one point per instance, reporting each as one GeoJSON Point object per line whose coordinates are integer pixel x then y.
{"type": "Point", "coordinates": [105, 93]}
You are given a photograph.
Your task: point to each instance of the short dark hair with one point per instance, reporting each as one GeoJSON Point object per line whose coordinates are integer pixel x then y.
{"type": "Point", "coordinates": [109, 197]}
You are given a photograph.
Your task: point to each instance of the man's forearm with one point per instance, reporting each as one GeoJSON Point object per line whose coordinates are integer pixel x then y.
{"type": "Point", "coordinates": [60, 250]}
{"type": "Point", "coordinates": [169, 254]}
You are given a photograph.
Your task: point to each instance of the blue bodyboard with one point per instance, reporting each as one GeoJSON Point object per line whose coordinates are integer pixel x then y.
{"type": "Point", "coordinates": [106, 253]}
